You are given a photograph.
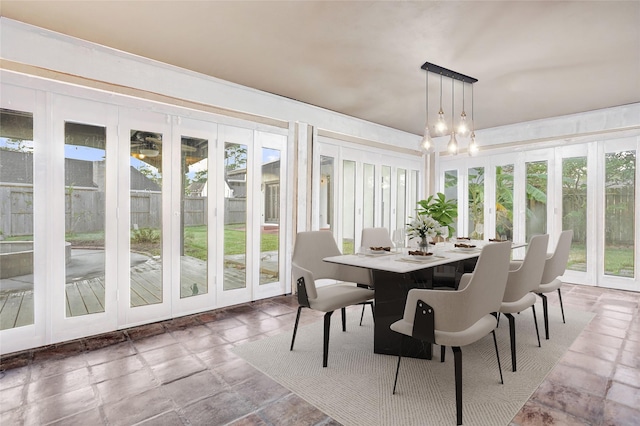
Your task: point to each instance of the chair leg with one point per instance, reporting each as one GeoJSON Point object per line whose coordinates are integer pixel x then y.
{"type": "Point", "coordinates": [495, 344]}
{"type": "Point", "coordinates": [512, 338]}
{"type": "Point", "coordinates": [325, 346]}
{"type": "Point", "coordinates": [395, 382]}
{"type": "Point", "coordinates": [457, 356]}
{"type": "Point", "coordinates": [561, 307]}
{"type": "Point", "coordinates": [362, 314]}
{"type": "Point", "coordinates": [535, 321]}
{"type": "Point", "coordinates": [295, 327]}
{"type": "Point", "coordinates": [344, 319]}
{"type": "Point", "coordinates": [442, 350]}
{"type": "Point", "coordinates": [546, 315]}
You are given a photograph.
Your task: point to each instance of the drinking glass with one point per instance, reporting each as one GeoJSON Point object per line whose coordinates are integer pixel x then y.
{"type": "Point", "coordinates": [399, 239]}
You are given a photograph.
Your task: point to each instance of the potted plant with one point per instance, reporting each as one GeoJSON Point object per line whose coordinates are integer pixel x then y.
{"type": "Point", "coordinates": [442, 210]}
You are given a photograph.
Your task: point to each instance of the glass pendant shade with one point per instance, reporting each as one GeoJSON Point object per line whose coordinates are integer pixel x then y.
{"type": "Point", "coordinates": [452, 146]}
{"type": "Point", "coordinates": [426, 144]}
{"type": "Point", "coordinates": [473, 146]}
{"type": "Point", "coordinates": [441, 124]}
{"type": "Point", "coordinates": [463, 127]}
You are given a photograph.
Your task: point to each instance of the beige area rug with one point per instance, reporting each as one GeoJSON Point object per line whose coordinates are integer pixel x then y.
{"type": "Point", "coordinates": [355, 388]}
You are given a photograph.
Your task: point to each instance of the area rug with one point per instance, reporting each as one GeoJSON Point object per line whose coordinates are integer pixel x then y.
{"type": "Point", "coordinates": [355, 388]}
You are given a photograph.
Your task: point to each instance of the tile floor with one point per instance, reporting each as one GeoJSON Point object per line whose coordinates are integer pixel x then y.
{"type": "Point", "coordinates": [182, 372]}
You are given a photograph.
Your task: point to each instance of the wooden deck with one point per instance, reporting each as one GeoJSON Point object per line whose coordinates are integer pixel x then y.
{"type": "Point", "coordinates": [87, 296]}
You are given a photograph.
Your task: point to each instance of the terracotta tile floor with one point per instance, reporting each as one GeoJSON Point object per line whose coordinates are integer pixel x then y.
{"type": "Point", "coordinates": [183, 372]}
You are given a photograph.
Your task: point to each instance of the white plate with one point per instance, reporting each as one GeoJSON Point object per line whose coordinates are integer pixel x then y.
{"type": "Point", "coordinates": [377, 253]}
{"type": "Point", "coordinates": [418, 259]}
{"type": "Point", "coordinates": [467, 249]}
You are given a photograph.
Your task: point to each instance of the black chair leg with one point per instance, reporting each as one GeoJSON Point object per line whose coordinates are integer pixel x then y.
{"type": "Point", "coordinates": [457, 356]}
{"type": "Point", "coordinates": [561, 307]}
{"type": "Point", "coordinates": [295, 327]}
{"type": "Point", "coordinates": [535, 321]}
{"type": "Point", "coordinates": [362, 314]}
{"type": "Point", "coordinates": [512, 338]}
{"type": "Point", "coordinates": [395, 382]}
{"type": "Point", "coordinates": [442, 350]}
{"type": "Point", "coordinates": [344, 319]}
{"type": "Point", "coordinates": [325, 346]}
{"type": "Point", "coordinates": [546, 315]}
{"type": "Point", "coordinates": [495, 344]}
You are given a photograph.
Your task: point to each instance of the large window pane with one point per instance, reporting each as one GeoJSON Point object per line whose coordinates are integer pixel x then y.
{"type": "Point", "coordinates": [235, 216]}
{"type": "Point", "coordinates": [348, 206]}
{"type": "Point", "coordinates": [85, 188]}
{"type": "Point", "coordinates": [536, 218]}
{"type": "Point", "coordinates": [270, 230]}
{"type": "Point", "coordinates": [16, 219]}
{"type": "Point", "coordinates": [574, 209]}
{"type": "Point", "coordinates": [326, 192]}
{"type": "Point", "coordinates": [194, 248]}
{"type": "Point", "coordinates": [146, 218]}
{"type": "Point", "coordinates": [619, 199]}
{"type": "Point", "coordinates": [504, 202]}
{"type": "Point", "coordinates": [476, 203]}
{"type": "Point", "coordinates": [369, 196]}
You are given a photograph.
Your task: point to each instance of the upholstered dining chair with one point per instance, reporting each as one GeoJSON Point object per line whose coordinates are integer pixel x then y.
{"type": "Point", "coordinates": [375, 237]}
{"type": "Point", "coordinates": [307, 267]}
{"type": "Point", "coordinates": [459, 318]}
{"type": "Point", "coordinates": [554, 267]}
{"type": "Point", "coordinates": [523, 278]}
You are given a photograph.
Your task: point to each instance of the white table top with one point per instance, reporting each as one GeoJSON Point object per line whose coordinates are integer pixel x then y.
{"type": "Point", "coordinates": [400, 262]}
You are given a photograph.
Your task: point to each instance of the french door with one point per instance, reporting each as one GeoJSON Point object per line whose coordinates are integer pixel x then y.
{"type": "Point", "coordinates": [591, 188]}
{"type": "Point", "coordinates": [251, 165]}
{"type": "Point", "coordinates": [355, 188]}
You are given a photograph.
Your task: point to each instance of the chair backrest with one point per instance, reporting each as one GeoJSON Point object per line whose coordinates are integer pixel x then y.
{"type": "Point", "coordinates": [483, 295]}
{"type": "Point", "coordinates": [312, 246]}
{"type": "Point", "coordinates": [557, 263]}
{"type": "Point", "coordinates": [527, 278]}
{"type": "Point", "coordinates": [375, 237]}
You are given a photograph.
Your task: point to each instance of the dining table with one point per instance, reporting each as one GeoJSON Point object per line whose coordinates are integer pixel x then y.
{"type": "Point", "coordinates": [393, 273]}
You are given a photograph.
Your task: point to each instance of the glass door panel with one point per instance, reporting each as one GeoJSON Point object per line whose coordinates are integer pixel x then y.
{"type": "Point", "coordinates": [194, 241]}
{"type": "Point", "coordinates": [620, 213]}
{"type": "Point", "coordinates": [348, 206]}
{"type": "Point", "coordinates": [401, 198]}
{"type": "Point", "coordinates": [385, 207]}
{"type": "Point", "coordinates": [326, 200]}
{"type": "Point", "coordinates": [16, 219]}
{"type": "Point", "coordinates": [369, 195]}
{"type": "Point", "coordinates": [536, 203]}
{"type": "Point", "coordinates": [451, 193]}
{"type": "Point", "coordinates": [85, 194]}
{"type": "Point", "coordinates": [146, 195]}
{"type": "Point", "coordinates": [270, 223]}
{"type": "Point", "coordinates": [574, 209]}
{"type": "Point", "coordinates": [504, 202]}
{"type": "Point", "coordinates": [235, 213]}
{"type": "Point", "coordinates": [476, 203]}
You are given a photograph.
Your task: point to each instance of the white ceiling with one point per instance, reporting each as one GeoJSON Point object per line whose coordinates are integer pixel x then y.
{"type": "Point", "coordinates": [532, 59]}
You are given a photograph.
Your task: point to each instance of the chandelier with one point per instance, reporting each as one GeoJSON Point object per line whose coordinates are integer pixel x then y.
{"type": "Point", "coordinates": [463, 128]}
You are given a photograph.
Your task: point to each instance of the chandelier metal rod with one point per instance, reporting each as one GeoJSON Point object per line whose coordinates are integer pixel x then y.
{"type": "Point", "coordinates": [437, 69]}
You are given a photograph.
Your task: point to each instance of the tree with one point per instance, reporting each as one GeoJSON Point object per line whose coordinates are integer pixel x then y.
{"type": "Point", "coordinates": [235, 156]}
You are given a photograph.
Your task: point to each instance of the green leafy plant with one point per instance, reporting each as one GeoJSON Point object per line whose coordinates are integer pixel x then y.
{"type": "Point", "coordinates": [439, 208]}
{"type": "Point", "coordinates": [145, 236]}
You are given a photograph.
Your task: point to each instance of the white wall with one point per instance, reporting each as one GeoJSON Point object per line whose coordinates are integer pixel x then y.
{"type": "Point", "coordinates": [38, 47]}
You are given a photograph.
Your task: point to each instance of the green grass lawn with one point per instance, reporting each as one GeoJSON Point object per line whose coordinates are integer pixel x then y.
{"type": "Point", "coordinates": [618, 259]}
